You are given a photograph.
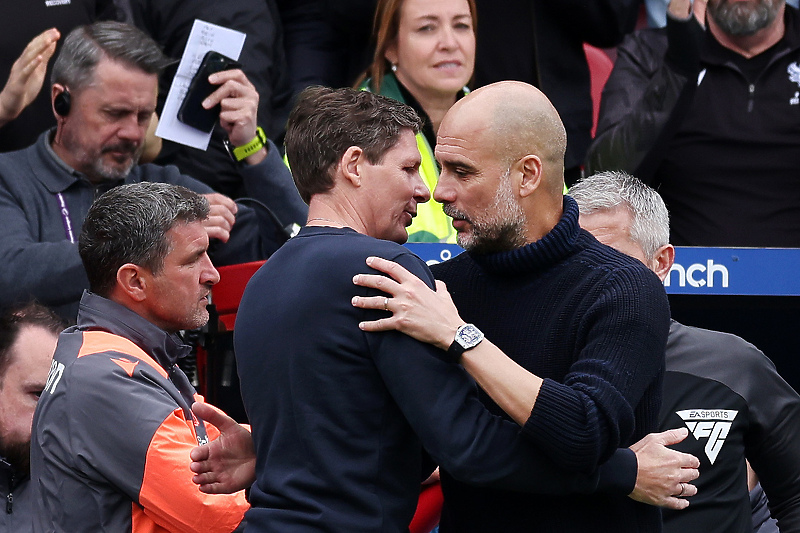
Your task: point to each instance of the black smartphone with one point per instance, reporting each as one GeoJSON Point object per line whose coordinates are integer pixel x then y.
{"type": "Point", "coordinates": [191, 111]}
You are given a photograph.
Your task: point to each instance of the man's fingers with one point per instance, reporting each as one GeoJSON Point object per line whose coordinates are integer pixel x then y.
{"type": "Point", "coordinates": [211, 488]}
{"type": "Point", "coordinates": [220, 216]}
{"type": "Point", "coordinates": [43, 41]}
{"type": "Point", "coordinates": [203, 410]}
{"type": "Point", "coordinates": [49, 50]}
{"type": "Point", "coordinates": [207, 484]}
{"type": "Point", "coordinates": [234, 74]}
{"type": "Point", "coordinates": [217, 229]}
{"type": "Point", "coordinates": [690, 473]}
{"type": "Point", "coordinates": [689, 465]}
{"type": "Point", "coordinates": [216, 199]}
{"type": "Point", "coordinates": [671, 436]}
{"type": "Point", "coordinates": [675, 503]}
{"type": "Point", "coordinates": [198, 454]}
{"type": "Point", "coordinates": [376, 281]}
{"type": "Point", "coordinates": [217, 233]}
{"type": "Point", "coordinates": [202, 478]}
{"type": "Point", "coordinates": [674, 436]}
{"type": "Point", "coordinates": [371, 302]}
{"type": "Point", "coordinates": [232, 84]}
{"type": "Point", "coordinates": [213, 416]}
{"type": "Point", "coordinates": [679, 501]}
{"type": "Point", "coordinates": [31, 66]}
{"type": "Point", "coordinates": [395, 270]}
{"type": "Point", "coordinates": [382, 324]}
{"type": "Point", "coordinates": [689, 490]}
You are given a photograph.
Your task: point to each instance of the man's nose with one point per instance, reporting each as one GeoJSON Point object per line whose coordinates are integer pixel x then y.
{"type": "Point", "coordinates": [421, 192]}
{"type": "Point", "coordinates": [131, 130]}
{"type": "Point", "coordinates": [210, 274]}
{"type": "Point", "coordinates": [443, 193]}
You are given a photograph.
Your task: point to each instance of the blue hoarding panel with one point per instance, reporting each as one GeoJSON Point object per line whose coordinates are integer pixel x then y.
{"type": "Point", "coordinates": [732, 271]}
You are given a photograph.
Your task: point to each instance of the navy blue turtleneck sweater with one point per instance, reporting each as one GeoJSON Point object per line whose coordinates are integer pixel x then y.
{"type": "Point", "coordinates": [593, 324]}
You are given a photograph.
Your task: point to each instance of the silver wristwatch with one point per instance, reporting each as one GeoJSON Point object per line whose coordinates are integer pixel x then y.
{"type": "Point", "coordinates": [467, 337]}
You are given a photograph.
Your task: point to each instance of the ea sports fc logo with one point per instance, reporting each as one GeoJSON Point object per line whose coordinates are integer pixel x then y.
{"type": "Point", "coordinates": [711, 424]}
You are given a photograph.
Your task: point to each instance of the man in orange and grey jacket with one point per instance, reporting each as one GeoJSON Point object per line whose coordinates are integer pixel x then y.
{"type": "Point", "coordinates": [113, 428]}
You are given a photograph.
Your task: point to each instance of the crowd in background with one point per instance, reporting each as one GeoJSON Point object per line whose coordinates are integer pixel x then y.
{"type": "Point", "coordinates": [702, 105]}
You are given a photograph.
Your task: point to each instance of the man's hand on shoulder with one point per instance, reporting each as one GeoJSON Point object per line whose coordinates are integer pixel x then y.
{"type": "Point", "coordinates": [428, 316]}
{"type": "Point", "coordinates": [664, 475]}
{"type": "Point", "coordinates": [227, 464]}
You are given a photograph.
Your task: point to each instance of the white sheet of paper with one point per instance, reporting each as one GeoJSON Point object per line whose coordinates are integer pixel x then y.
{"type": "Point", "coordinates": [203, 37]}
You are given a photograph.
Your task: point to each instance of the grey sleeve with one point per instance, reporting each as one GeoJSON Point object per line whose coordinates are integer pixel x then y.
{"type": "Point", "coordinates": [772, 444]}
{"type": "Point", "coordinates": [50, 271]}
{"type": "Point", "coordinates": [762, 521]}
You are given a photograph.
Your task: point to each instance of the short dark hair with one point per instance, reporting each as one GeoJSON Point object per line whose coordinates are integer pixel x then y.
{"type": "Point", "coordinates": [129, 224]}
{"type": "Point", "coordinates": [12, 322]}
{"type": "Point", "coordinates": [85, 46]}
{"type": "Point", "coordinates": [326, 122]}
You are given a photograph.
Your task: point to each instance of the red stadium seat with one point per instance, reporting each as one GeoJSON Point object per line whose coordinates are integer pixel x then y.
{"type": "Point", "coordinates": [600, 66]}
{"type": "Point", "coordinates": [429, 509]}
{"type": "Point", "coordinates": [226, 294]}
{"type": "Point", "coordinates": [216, 353]}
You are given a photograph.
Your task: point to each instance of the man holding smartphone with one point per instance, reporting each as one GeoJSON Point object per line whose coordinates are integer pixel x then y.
{"type": "Point", "coordinates": [191, 112]}
{"type": "Point", "coordinates": [105, 84]}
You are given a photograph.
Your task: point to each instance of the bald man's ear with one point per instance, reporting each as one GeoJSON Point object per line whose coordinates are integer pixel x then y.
{"type": "Point", "coordinates": [663, 260]}
{"type": "Point", "coordinates": [530, 167]}
{"type": "Point", "coordinates": [350, 164]}
{"type": "Point", "coordinates": [132, 282]}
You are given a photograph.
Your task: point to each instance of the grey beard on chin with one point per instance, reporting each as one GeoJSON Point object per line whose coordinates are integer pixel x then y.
{"type": "Point", "coordinates": [108, 173]}
{"type": "Point", "coordinates": [501, 231]}
{"type": "Point", "coordinates": [741, 19]}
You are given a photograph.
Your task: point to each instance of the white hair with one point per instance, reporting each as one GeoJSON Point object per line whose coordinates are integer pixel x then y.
{"type": "Point", "coordinates": [610, 190]}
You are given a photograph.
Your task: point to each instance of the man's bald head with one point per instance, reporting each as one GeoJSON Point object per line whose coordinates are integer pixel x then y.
{"type": "Point", "coordinates": [518, 120]}
{"type": "Point", "coordinates": [501, 151]}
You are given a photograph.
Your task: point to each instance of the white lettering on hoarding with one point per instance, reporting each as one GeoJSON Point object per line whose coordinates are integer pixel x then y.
{"type": "Point", "coordinates": [690, 275]}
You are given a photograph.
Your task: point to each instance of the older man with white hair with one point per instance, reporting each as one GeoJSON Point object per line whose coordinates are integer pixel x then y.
{"type": "Point", "coordinates": [721, 387]}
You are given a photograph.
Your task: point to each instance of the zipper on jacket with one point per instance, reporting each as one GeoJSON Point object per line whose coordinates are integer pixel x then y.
{"type": "Point", "coordinates": [10, 497]}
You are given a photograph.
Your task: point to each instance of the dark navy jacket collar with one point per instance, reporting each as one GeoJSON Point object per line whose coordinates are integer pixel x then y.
{"type": "Point", "coordinates": [98, 313]}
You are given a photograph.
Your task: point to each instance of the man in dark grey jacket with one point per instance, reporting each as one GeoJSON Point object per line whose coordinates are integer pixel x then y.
{"type": "Point", "coordinates": [104, 93]}
{"type": "Point", "coordinates": [723, 389]}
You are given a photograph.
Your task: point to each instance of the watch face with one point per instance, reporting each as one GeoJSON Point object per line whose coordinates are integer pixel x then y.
{"type": "Point", "coordinates": [469, 336]}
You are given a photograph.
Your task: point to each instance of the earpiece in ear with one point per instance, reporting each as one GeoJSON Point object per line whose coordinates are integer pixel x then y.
{"type": "Point", "coordinates": [62, 103]}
